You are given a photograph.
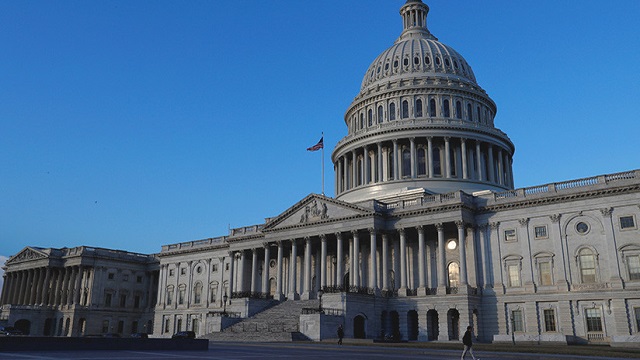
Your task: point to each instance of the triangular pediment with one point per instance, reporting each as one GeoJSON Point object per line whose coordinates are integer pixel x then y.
{"type": "Point", "coordinates": [315, 209]}
{"type": "Point", "coordinates": [26, 254]}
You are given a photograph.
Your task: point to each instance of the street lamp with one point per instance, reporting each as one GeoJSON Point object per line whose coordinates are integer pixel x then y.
{"type": "Point", "coordinates": [224, 303]}
{"type": "Point", "coordinates": [320, 292]}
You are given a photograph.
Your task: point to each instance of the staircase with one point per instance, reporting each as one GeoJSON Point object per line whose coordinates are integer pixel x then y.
{"type": "Point", "coordinates": [275, 324]}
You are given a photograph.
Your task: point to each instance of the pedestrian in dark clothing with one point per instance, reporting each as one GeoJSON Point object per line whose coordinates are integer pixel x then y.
{"type": "Point", "coordinates": [340, 334]}
{"type": "Point", "coordinates": [466, 340]}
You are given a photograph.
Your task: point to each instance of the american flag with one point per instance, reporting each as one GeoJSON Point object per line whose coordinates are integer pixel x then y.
{"type": "Point", "coordinates": [318, 146]}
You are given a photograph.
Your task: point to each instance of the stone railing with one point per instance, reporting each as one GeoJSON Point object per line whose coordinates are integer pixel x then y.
{"type": "Point", "coordinates": [568, 185]}
{"type": "Point", "coordinates": [194, 244]}
{"type": "Point", "coordinates": [325, 311]}
{"type": "Point", "coordinates": [424, 200]}
{"type": "Point", "coordinates": [229, 314]}
{"type": "Point", "coordinates": [250, 295]}
{"type": "Point", "coordinates": [246, 230]}
{"type": "Point", "coordinates": [452, 289]}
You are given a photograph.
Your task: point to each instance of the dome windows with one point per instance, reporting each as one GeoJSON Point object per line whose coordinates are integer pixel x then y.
{"type": "Point", "coordinates": [458, 110]}
{"type": "Point", "coordinates": [455, 64]}
{"type": "Point", "coordinates": [447, 63]}
{"type": "Point", "coordinates": [432, 108]}
{"type": "Point", "coordinates": [405, 62]}
{"type": "Point", "coordinates": [395, 63]}
{"type": "Point", "coordinates": [419, 108]}
{"type": "Point", "coordinates": [386, 66]}
{"type": "Point", "coordinates": [380, 114]}
{"type": "Point", "coordinates": [405, 109]}
{"type": "Point", "coordinates": [392, 111]}
{"type": "Point", "coordinates": [370, 117]}
{"type": "Point", "coordinates": [437, 61]}
{"type": "Point", "coordinates": [427, 60]}
{"type": "Point", "coordinates": [416, 60]}
{"type": "Point", "coordinates": [446, 109]}
{"type": "Point", "coordinates": [469, 112]}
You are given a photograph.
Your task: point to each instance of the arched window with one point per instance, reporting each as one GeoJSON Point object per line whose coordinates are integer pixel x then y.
{"type": "Point", "coordinates": [197, 293]}
{"type": "Point", "coordinates": [370, 117]}
{"type": "Point", "coordinates": [437, 168]}
{"type": "Point", "coordinates": [458, 110]}
{"type": "Point", "coordinates": [406, 162]}
{"type": "Point", "coordinates": [432, 107]}
{"type": "Point", "coordinates": [392, 111]}
{"type": "Point", "coordinates": [454, 274]}
{"type": "Point", "coordinates": [405, 109]}
{"type": "Point", "coordinates": [419, 108]}
{"type": "Point", "coordinates": [390, 164]}
{"type": "Point", "coordinates": [446, 109]}
{"type": "Point", "coordinates": [361, 121]}
{"type": "Point", "coordinates": [359, 172]}
{"type": "Point", "coordinates": [213, 292]}
{"type": "Point", "coordinates": [479, 114]}
{"type": "Point", "coordinates": [380, 114]}
{"type": "Point", "coordinates": [469, 113]}
{"type": "Point", "coordinates": [422, 163]}
{"type": "Point", "coordinates": [587, 263]}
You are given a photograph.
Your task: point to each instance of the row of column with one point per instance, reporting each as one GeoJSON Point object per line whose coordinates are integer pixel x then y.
{"type": "Point", "coordinates": [378, 164]}
{"type": "Point", "coordinates": [45, 286]}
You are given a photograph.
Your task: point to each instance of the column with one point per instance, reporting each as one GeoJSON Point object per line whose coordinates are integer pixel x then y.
{"type": "Point", "coordinates": [34, 286]}
{"type": "Point", "coordinates": [5, 288]}
{"type": "Point", "coordinates": [161, 285]}
{"type": "Point", "coordinates": [491, 165]}
{"type": "Point", "coordinates": [447, 158]}
{"type": "Point", "coordinates": [24, 276]}
{"type": "Point", "coordinates": [463, 148]}
{"type": "Point", "coordinates": [403, 262]}
{"type": "Point", "coordinates": [367, 166]}
{"type": "Point", "coordinates": [385, 261]}
{"type": "Point", "coordinates": [354, 169]}
{"type": "Point", "coordinates": [279, 295]}
{"type": "Point", "coordinates": [339, 260]}
{"type": "Point", "coordinates": [351, 266]}
{"type": "Point", "coordinates": [421, 277]}
{"type": "Point", "coordinates": [442, 267]}
{"type": "Point", "coordinates": [500, 168]}
{"type": "Point", "coordinates": [373, 267]}
{"type": "Point", "coordinates": [254, 271]}
{"type": "Point", "coordinates": [292, 273]}
{"type": "Point", "coordinates": [339, 177]}
{"type": "Point", "coordinates": [430, 155]}
{"type": "Point", "coordinates": [463, 254]}
{"type": "Point", "coordinates": [484, 258]}
{"type": "Point", "coordinates": [307, 269]}
{"type": "Point", "coordinates": [221, 290]}
{"type": "Point", "coordinates": [379, 159]}
{"type": "Point", "coordinates": [356, 258]}
{"type": "Point", "coordinates": [479, 161]}
{"type": "Point", "coordinates": [77, 290]}
{"type": "Point", "coordinates": [507, 169]}
{"type": "Point", "coordinates": [232, 262]}
{"type": "Point", "coordinates": [395, 159]}
{"type": "Point", "coordinates": [616, 273]}
{"type": "Point", "coordinates": [413, 157]}
{"type": "Point", "coordinates": [45, 287]}
{"type": "Point", "coordinates": [265, 269]}
{"type": "Point", "coordinates": [241, 267]}
{"type": "Point", "coordinates": [323, 261]}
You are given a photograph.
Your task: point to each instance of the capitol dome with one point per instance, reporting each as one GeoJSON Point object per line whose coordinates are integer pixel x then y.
{"type": "Point", "coordinates": [420, 123]}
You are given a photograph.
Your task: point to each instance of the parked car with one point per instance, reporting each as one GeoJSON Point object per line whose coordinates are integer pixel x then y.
{"type": "Point", "coordinates": [10, 331]}
{"type": "Point", "coordinates": [184, 335]}
{"type": "Point", "coordinates": [140, 335]}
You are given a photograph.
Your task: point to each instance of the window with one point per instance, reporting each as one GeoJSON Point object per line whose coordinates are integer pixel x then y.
{"type": "Point", "coordinates": [427, 60]}
{"type": "Point", "coordinates": [139, 279]}
{"type": "Point", "coordinates": [627, 222]}
{"type": "Point", "coordinates": [416, 60]}
{"type": "Point", "coordinates": [469, 113]}
{"type": "Point", "coordinates": [437, 168]}
{"type": "Point", "coordinates": [120, 326]}
{"type": "Point", "coordinates": [544, 269]}
{"type": "Point", "coordinates": [361, 121]}
{"type": "Point", "coordinates": [213, 292]}
{"type": "Point", "coordinates": [405, 109]}
{"type": "Point", "coordinates": [123, 300]}
{"type": "Point", "coordinates": [405, 62]}
{"type": "Point", "coordinates": [380, 113]}
{"type": "Point", "coordinates": [594, 320]}
{"type": "Point", "coordinates": [479, 114]}
{"type": "Point", "coordinates": [125, 277]}
{"type": "Point", "coordinates": [111, 276]}
{"type": "Point", "coordinates": [406, 162]}
{"type": "Point", "coordinates": [422, 163]}
{"type": "Point", "coordinates": [541, 232]}
{"type": "Point", "coordinates": [514, 275]}
{"type": "Point", "coordinates": [171, 272]}
{"type": "Point", "coordinates": [197, 293]}
{"type": "Point", "coordinates": [582, 228]}
{"type": "Point", "coordinates": [226, 266]}
{"type": "Point", "coordinates": [517, 321]}
{"type": "Point", "coordinates": [214, 268]}
{"type": "Point", "coordinates": [446, 109]}
{"type": "Point", "coordinates": [370, 117]}
{"type": "Point", "coordinates": [587, 263]}
{"type": "Point", "coordinates": [169, 296]}
{"type": "Point", "coordinates": [549, 320]}
{"type": "Point", "coordinates": [510, 235]}
{"type": "Point", "coordinates": [636, 311]}
{"type": "Point", "coordinates": [633, 265]}
{"type": "Point", "coordinates": [458, 110]}
{"type": "Point", "coordinates": [134, 327]}
{"type": "Point", "coordinates": [392, 111]}
{"type": "Point", "coordinates": [454, 274]}
{"type": "Point", "coordinates": [167, 326]}
{"type": "Point", "coordinates": [419, 108]}
{"type": "Point", "coordinates": [179, 325]}
{"type": "Point", "coordinates": [136, 302]}
{"type": "Point", "coordinates": [181, 293]}
{"type": "Point", "coordinates": [183, 271]}
{"type": "Point", "coordinates": [432, 108]}
{"type": "Point", "coordinates": [107, 300]}
{"type": "Point", "coordinates": [105, 326]}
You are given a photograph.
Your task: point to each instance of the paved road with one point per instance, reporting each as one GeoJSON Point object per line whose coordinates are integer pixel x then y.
{"type": "Point", "coordinates": [244, 351]}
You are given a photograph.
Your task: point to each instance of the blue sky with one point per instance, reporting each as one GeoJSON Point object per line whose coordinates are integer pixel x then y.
{"type": "Point", "coordinates": [133, 124]}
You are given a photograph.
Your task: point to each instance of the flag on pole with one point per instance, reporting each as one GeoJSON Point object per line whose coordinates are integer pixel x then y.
{"type": "Point", "coordinates": [318, 146]}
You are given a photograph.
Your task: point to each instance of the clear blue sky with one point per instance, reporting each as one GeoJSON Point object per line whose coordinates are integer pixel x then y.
{"type": "Point", "coordinates": [133, 124]}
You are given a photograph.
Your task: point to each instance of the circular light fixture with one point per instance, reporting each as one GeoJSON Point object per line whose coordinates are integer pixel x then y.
{"type": "Point", "coordinates": [452, 245]}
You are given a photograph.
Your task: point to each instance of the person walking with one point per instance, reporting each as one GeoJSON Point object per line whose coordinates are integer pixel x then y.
{"type": "Point", "coordinates": [466, 340]}
{"type": "Point", "coordinates": [340, 334]}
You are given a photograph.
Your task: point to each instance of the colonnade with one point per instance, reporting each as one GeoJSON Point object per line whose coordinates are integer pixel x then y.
{"type": "Point", "coordinates": [46, 286]}
{"type": "Point", "coordinates": [424, 157]}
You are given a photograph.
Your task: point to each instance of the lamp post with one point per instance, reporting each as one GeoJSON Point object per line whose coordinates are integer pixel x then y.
{"type": "Point", "coordinates": [224, 304]}
{"type": "Point", "coordinates": [320, 293]}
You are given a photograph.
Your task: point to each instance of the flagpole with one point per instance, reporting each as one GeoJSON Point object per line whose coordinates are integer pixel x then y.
{"type": "Point", "coordinates": [323, 163]}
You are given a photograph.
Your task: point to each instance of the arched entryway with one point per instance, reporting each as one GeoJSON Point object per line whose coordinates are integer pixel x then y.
{"type": "Point", "coordinates": [412, 325]}
{"type": "Point", "coordinates": [432, 325]}
{"type": "Point", "coordinates": [384, 325]}
{"type": "Point", "coordinates": [395, 325]}
{"type": "Point", "coordinates": [82, 324]}
{"type": "Point", "coordinates": [359, 327]}
{"type": "Point", "coordinates": [23, 325]}
{"type": "Point", "coordinates": [48, 327]}
{"type": "Point", "coordinates": [453, 317]}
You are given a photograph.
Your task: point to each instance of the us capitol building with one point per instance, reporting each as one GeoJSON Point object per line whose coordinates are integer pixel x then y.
{"type": "Point", "coordinates": [425, 236]}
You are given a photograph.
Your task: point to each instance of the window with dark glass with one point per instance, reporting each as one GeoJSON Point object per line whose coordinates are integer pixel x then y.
{"type": "Point", "coordinates": [432, 107]}
{"type": "Point", "coordinates": [390, 164]}
{"type": "Point", "coordinates": [540, 232]}
{"type": "Point", "coordinates": [406, 162]}
{"type": "Point", "coordinates": [405, 109]}
{"type": "Point", "coordinates": [370, 117]}
{"type": "Point", "coordinates": [197, 293]}
{"type": "Point", "coordinates": [633, 264]}
{"type": "Point", "coordinates": [587, 262]}
{"type": "Point", "coordinates": [419, 108]}
{"type": "Point", "coordinates": [427, 60]}
{"type": "Point", "coordinates": [380, 113]}
{"type": "Point", "coordinates": [636, 311]}
{"type": "Point", "coordinates": [627, 222]}
{"type": "Point", "coordinates": [123, 300]}
{"type": "Point", "coordinates": [437, 168]}
{"type": "Point", "coordinates": [469, 113]}
{"type": "Point", "coordinates": [361, 121]}
{"type": "Point", "coordinates": [136, 301]}
{"type": "Point", "coordinates": [447, 110]}
{"type": "Point", "coordinates": [458, 110]}
{"type": "Point", "coordinates": [517, 320]}
{"type": "Point", "coordinates": [549, 320]}
{"type": "Point", "coordinates": [405, 62]}
{"type": "Point", "coordinates": [107, 300]}
{"type": "Point", "coordinates": [422, 162]}
{"type": "Point", "coordinates": [594, 320]}
{"type": "Point", "coordinates": [479, 114]}
{"type": "Point", "coordinates": [392, 111]}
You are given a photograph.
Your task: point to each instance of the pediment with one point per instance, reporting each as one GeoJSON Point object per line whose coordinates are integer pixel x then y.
{"type": "Point", "coordinates": [27, 254]}
{"type": "Point", "coordinates": [315, 209]}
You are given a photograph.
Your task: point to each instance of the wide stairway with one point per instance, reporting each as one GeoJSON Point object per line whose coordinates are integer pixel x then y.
{"type": "Point", "coordinates": [276, 324]}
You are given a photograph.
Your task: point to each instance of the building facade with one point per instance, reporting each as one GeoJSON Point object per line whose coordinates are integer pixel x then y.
{"type": "Point", "coordinates": [426, 234]}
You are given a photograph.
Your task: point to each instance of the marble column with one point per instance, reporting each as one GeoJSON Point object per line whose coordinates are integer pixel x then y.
{"type": "Point", "coordinates": [292, 273]}
{"type": "Point", "coordinates": [356, 258]}
{"type": "Point", "coordinates": [373, 267]}
{"type": "Point", "coordinates": [306, 295]}
{"type": "Point", "coordinates": [442, 266]}
{"type": "Point", "coordinates": [366, 160]}
{"type": "Point", "coordinates": [232, 258]}
{"type": "Point", "coordinates": [279, 295]}
{"type": "Point", "coordinates": [430, 156]}
{"type": "Point", "coordinates": [254, 270]}
{"type": "Point", "coordinates": [413, 157]}
{"type": "Point", "coordinates": [491, 164]}
{"type": "Point", "coordinates": [479, 161]}
{"type": "Point", "coordinates": [265, 269]}
{"type": "Point", "coordinates": [323, 261]}
{"type": "Point", "coordinates": [421, 260]}
{"type": "Point", "coordinates": [447, 157]}
{"type": "Point", "coordinates": [379, 160]}
{"type": "Point", "coordinates": [463, 254]}
{"type": "Point", "coordinates": [403, 262]}
{"type": "Point", "coordinates": [339, 260]}
{"type": "Point", "coordinates": [463, 149]}
{"type": "Point", "coordinates": [395, 160]}
{"type": "Point", "coordinates": [385, 261]}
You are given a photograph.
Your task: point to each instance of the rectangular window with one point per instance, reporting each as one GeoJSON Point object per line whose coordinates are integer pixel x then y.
{"type": "Point", "coordinates": [226, 266]}
{"type": "Point", "coordinates": [633, 264]}
{"type": "Point", "coordinates": [169, 297]}
{"type": "Point", "coordinates": [545, 273]}
{"type": "Point", "coordinates": [123, 300]}
{"type": "Point", "coordinates": [125, 277]}
{"type": "Point", "coordinates": [139, 279]}
{"type": "Point", "coordinates": [183, 271]}
{"type": "Point", "coordinates": [510, 235]}
{"type": "Point", "coordinates": [549, 320]}
{"type": "Point", "coordinates": [120, 327]}
{"type": "Point", "coordinates": [111, 276]}
{"type": "Point", "coordinates": [136, 303]}
{"type": "Point", "coordinates": [627, 222]}
{"type": "Point", "coordinates": [637, 313]}
{"type": "Point", "coordinates": [166, 325]}
{"type": "Point", "coordinates": [171, 272]}
{"type": "Point", "coordinates": [541, 232]}
{"type": "Point", "coordinates": [594, 320]}
{"type": "Point", "coordinates": [134, 327]}
{"type": "Point", "coordinates": [107, 299]}
{"type": "Point", "coordinates": [181, 297]}
{"type": "Point", "coordinates": [105, 326]}
{"type": "Point", "coordinates": [214, 268]}
{"type": "Point", "coordinates": [517, 321]}
{"type": "Point", "coordinates": [179, 325]}
{"type": "Point", "coordinates": [514, 275]}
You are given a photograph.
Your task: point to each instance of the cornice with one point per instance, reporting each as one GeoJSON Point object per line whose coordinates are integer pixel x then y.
{"type": "Point", "coordinates": [192, 250]}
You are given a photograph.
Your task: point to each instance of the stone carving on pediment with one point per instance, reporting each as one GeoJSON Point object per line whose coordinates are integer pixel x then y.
{"type": "Point", "coordinates": [26, 255]}
{"type": "Point", "coordinates": [314, 212]}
